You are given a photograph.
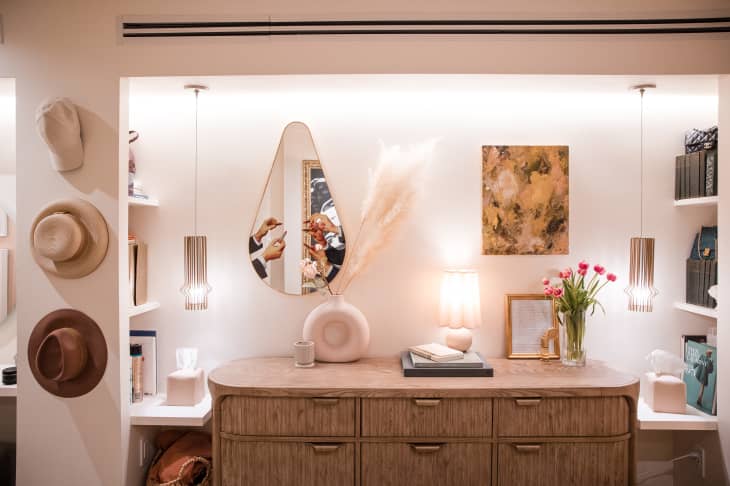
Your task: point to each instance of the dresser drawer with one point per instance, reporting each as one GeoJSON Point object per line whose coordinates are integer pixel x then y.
{"type": "Point", "coordinates": [442, 464]}
{"type": "Point", "coordinates": [548, 464]}
{"type": "Point", "coordinates": [426, 417]}
{"type": "Point", "coordinates": [545, 417]}
{"type": "Point", "coordinates": [303, 417]}
{"type": "Point", "coordinates": [286, 463]}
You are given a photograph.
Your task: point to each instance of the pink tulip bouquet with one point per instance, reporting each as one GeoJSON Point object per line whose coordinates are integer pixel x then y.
{"type": "Point", "coordinates": [574, 295]}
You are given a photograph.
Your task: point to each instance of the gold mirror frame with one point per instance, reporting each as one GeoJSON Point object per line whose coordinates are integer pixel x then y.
{"type": "Point", "coordinates": [307, 164]}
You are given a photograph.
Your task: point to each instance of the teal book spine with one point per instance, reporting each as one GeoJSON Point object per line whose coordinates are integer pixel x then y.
{"type": "Point", "coordinates": [700, 376]}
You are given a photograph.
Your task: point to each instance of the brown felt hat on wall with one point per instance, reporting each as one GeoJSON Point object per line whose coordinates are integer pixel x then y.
{"type": "Point", "coordinates": [67, 353]}
{"type": "Point", "coordinates": [69, 238]}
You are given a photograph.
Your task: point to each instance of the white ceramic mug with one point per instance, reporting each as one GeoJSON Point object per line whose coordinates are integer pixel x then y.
{"type": "Point", "coordinates": [304, 354]}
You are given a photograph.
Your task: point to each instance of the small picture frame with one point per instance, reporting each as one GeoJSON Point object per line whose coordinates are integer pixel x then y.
{"type": "Point", "coordinates": [531, 328]}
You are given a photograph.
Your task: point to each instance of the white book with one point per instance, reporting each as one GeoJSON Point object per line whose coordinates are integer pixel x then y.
{"type": "Point", "coordinates": [436, 352]}
{"type": "Point", "coordinates": [470, 360]}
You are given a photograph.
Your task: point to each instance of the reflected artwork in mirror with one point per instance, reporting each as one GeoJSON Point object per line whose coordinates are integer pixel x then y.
{"type": "Point", "coordinates": [297, 243]}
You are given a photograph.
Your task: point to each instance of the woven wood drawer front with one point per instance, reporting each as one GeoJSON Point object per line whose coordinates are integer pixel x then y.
{"type": "Point", "coordinates": [399, 464]}
{"type": "Point", "coordinates": [286, 464]}
{"type": "Point", "coordinates": [544, 417]}
{"type": "Point", "coordinates": [310, 417]}
{"type": "Point", "coordinates": [557, 464]}
{"type": "Point", "coordinates": [424, 417]}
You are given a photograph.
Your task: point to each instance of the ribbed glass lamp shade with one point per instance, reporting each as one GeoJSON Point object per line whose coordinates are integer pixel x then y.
{"type": "Point", "coordinates": [460, 303]}
{"type": "Point", "coordinates": [196, 286]}
{"type": "Point", "coordinates": [641, 289]}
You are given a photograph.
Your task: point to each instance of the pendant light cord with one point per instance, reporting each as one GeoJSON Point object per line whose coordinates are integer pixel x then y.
{"type": "Point", "coordinates": [195, 193]}
{"type": "Point", "coordinates": [641, 176]}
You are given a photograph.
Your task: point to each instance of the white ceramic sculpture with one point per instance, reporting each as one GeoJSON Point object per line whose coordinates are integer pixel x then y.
{"type": "Point", "coordinates": [339, 330]}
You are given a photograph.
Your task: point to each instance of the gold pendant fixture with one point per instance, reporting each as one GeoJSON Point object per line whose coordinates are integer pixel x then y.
{"type": "Point", "coordinates": [196, 288]}
{"type": "Point", "coordinates": [641, 289]}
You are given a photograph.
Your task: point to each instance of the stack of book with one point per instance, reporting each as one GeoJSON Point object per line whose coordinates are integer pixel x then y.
{"type": "Point", "coordinates": [436, 360]}
{"type": "Point", "coordinates": [137, 272]}
{"type": "Point", "coordinates": [696, 175]}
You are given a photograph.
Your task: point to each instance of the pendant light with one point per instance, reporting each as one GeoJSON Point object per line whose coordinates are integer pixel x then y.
{"type": "Point", "coordinates": [196, 288]}
{"type": "Point", "coordinates": [641, 289]}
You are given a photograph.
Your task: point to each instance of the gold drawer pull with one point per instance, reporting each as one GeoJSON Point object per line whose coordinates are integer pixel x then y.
{"type": "Point", "coordinates": [527, 402]}
{"type": "Point", "coordinates": [426, 448]}
{"type": "Point", "coordinates": [326, 401]}
{"type": "Point", "coordinates": [325, 448]}
{"type": "Point", "coordinates": [427, 402]}
{"type": "Point", "coordinates": [527, 448]}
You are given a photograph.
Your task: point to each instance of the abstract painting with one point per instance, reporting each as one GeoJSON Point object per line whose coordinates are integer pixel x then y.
{"type": "Point", "coordinates": [525, 206]}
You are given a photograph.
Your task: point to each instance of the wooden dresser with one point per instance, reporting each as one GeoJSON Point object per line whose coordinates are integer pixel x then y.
{"type": "Point", "coordinates": [534, 423]}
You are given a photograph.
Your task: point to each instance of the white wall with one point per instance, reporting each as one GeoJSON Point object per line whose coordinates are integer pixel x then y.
{"type": "Point", "coordinates": [240, 123]}
{"type": "Point", "coordinates": [7, 126]}
{"type": "Point", "coordinates": [9, 327]}
{"type": "Point", "coordinates": [723, 323]}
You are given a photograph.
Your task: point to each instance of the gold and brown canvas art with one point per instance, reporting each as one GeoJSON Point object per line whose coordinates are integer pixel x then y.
{"type": "Point", "coordinates": [525, 206]}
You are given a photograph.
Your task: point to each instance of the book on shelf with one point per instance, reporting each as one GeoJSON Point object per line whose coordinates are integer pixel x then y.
{"type": "Point", "coordinates": [695, 174]}
{"type": "Point", "coordinates": [697, 338]}
{"type": "Point", "coordinates": [436, 352]}
{"type": "Point", "coordinates": [409, 370]}
{"type": "Point", "coordinates": [700, 376]}
{"type": "Point", "coordinates": [471, 359]}
{"type": "Point", "coordinates": [148, 340]}
{"type": "Point", "coordinates": [137, 254]}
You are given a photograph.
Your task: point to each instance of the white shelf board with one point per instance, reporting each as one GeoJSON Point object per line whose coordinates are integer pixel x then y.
{"type": "Point", "coordinates": [138, 201]}
{"type": "Point", "coordinates": [697, 309]}
{"type": "Point", "coordinates": [693, 419]}
{"type": "Point", "coordinates": [8, 390]}
{"type": "Point", "coordinates": [141, 309]}
{"type": "Point", "coordinates": [698, 201]}
{"type": "Point", "coordinates": [153, 411]}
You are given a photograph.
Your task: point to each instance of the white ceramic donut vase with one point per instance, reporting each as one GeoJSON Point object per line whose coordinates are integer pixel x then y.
{"type": "Point", "coordinates": [335, 316]}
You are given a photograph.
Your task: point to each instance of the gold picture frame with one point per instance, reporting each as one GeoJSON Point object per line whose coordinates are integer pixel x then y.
{"type": "Point", "coordinates": [531, 327]}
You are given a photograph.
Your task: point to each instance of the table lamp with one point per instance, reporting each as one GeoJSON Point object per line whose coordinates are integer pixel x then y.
{"type": "Point", "coordinates": [460, 307]}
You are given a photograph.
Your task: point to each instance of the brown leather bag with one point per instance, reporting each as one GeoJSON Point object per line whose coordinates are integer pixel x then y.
{"type": "Point", "coordinates": [183, 459]}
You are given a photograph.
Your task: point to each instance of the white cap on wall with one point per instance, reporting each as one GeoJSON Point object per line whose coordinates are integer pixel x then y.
{"type": "Point", "coordinates": [58, 125]}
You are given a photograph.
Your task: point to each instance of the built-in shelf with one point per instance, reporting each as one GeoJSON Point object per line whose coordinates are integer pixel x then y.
{"type": "Point", "coordinates": [696, 309]}
{"type": "Point", "coordinates": [697, 201]}
{"type": "Point", "coordinates": [141, 309]}
{"type": "Point", "coordinates": [693, 419]}
{"type": "Point", "coordinates": [153, 411]}
{"type": "Point", "coordinates": [7, 390]}
{"type": "Point", "coordinates": [138, 201]}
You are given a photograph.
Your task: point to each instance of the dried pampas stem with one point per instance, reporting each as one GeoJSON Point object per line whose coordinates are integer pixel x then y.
{"type": "Point", "coordinates": [393, 189]}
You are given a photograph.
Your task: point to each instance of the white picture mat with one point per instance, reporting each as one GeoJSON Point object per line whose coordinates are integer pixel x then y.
{"type": "Point", "coordinates": [530, 320]}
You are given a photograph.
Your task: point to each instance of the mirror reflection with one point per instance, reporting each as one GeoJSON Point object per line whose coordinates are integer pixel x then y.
{"type": "Point", "coordinates": [297, 243]}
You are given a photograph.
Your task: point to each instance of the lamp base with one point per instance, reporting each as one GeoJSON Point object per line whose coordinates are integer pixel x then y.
{"type": "Point", "coordinates": [459, 339]}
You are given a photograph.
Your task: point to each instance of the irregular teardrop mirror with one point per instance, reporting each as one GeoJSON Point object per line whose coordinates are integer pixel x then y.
{"type": "Point", "coordinates": [297, 243]}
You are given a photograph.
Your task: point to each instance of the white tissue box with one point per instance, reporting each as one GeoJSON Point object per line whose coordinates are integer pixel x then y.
{"type": "Point", "coordinates": [665, 393]}
{"type": "Point", "coordinates": [185, 387]}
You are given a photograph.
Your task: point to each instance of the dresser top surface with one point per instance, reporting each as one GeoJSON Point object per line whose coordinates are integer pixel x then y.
{"type": "Point", "coordinates": [375, 376]}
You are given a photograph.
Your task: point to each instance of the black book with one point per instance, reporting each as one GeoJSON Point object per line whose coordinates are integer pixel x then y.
{"type": "Point", "coordinates": [713, 281]}
{"type": "Point", "coordinates": [684, 180]}
{"type": "Point", "coordinates": [410, 371]}
{"type": "Point", "coordinates": [711, 173]}
{"type": "Point", "coordinates": [694, 174]}
{"type": "Point", "coordinates": [697, 338]}
{"type": "Point", "coordinates": [705, 283]}
{"type": "Point", "coordinates": [693, 276]}
{"type": "Point", "coordinates": [678, 177]}
{"type": "Point", "coordinates": [702, 178]}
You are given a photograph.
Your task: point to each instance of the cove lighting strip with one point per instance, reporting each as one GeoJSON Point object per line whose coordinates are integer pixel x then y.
{"type": "Point", "coordinates": [156, 28]}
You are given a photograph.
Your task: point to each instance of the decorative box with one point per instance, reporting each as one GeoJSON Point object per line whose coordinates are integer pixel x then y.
{"type": "Point", "coordinates": [665, 393]}
{"type": "Point", "coordinates": [185, 387]}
